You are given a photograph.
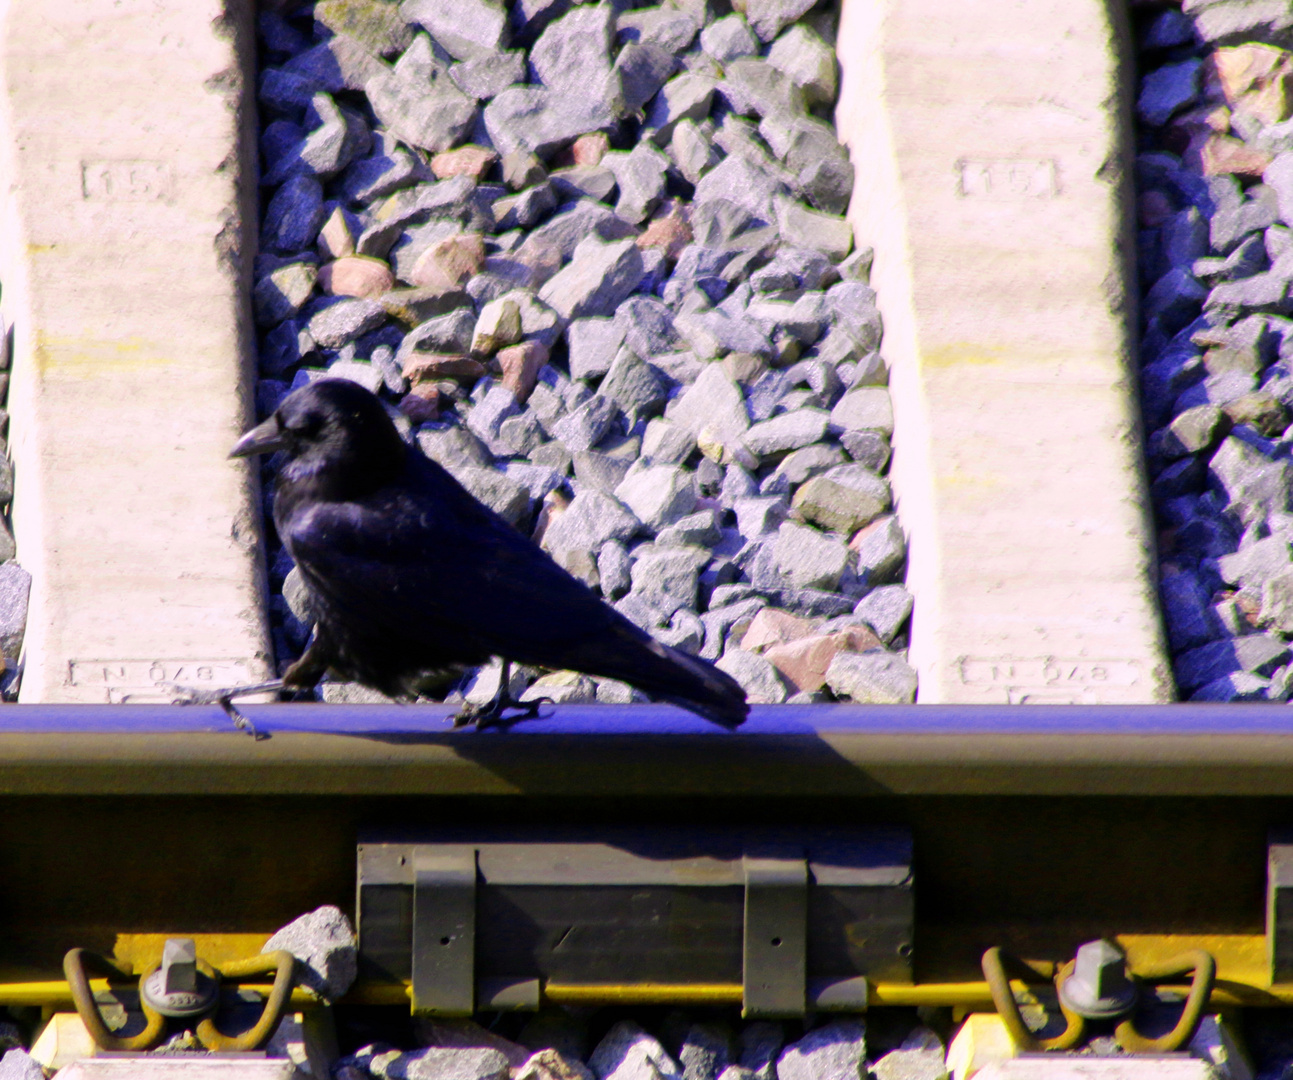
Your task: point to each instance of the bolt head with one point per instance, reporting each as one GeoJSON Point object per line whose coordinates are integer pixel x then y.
{"type": "Point", "coordinates": [1099, 986]}
{"type": "Point", "coordinates": [180, 966]}
{"type": "Point", "coordinates": [177, 988]}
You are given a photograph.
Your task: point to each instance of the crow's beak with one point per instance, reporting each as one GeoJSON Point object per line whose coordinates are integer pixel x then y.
{"type": "Point", "coordinates": [265, 438]}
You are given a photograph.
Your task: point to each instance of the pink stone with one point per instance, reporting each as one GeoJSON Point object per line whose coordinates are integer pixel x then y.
{"type": "Point", "coordinates": [1249, 608]}
{"type": "Point", "coordinates": [470, 160]}
{"type": "Point", "coordinates": [448, 263]}
{"type": "Point", "coordinates": [431, 367]}
{"type": "Point", "coordinates": [589, 149]}
{"type": "Point", "coordinates": [669, 232]}
{"type": "Point", "coordinates": [1269, 103]}
{"type": "Point", "coordinates": [803, 663]}
{"type": "Point", "coordinates": [1239, 67]}
{"type": "Point", "coordinates": [543, 259]}
{"type": "Point", "coordinates": [1223, 154]}
{"type": "Point", "coordinates": [521, 365]}
{"type": "Point", "coordinates": [356, 275]}
{"type": "Point", "coordinates": [772, 626]}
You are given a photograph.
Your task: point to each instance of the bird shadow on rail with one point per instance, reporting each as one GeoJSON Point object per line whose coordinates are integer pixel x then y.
{"type": "Point", "coordinates": [643, 748]}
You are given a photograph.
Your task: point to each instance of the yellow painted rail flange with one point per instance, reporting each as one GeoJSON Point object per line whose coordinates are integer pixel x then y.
{"type": "Point", "coordinates": [56, 992]}
{"type": "Point", "coordinates": [1242, 978]}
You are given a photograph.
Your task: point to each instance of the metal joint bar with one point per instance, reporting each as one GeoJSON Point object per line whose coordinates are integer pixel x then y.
{"type": "Point", "coordinates": [444, 931]}
{"type": "Point", "coordinates": [1279, 905]}
{"type": "Point", "coordinates": [776, 936]}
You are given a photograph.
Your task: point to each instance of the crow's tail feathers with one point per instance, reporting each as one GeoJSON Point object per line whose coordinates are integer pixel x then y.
{"type": "Point", "coordinates": [713, 694]}
{"type": "Point", "coordinates": [665, 674]}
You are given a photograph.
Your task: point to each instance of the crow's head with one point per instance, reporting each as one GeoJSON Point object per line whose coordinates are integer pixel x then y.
{"type": "Point", "coordinates": [334, 428]}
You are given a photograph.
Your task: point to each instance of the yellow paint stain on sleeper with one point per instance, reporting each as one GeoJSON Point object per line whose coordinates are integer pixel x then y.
{"type": "Point", "coordinates": [86, 356]}
{"type": "Point", "coordinates": [954, 356]}
{"type": "Point", "coordinates": [964, 481]}
{"type": "Point", "coordinates": [1043, 359]}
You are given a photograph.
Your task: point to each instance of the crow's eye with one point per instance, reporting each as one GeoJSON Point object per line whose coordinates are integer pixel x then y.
{"type": "Point", "coordinates": [305, 425]}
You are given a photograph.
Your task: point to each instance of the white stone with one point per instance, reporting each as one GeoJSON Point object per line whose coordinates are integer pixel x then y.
{"type": "Point", "coordinates": [498, 325]}
{"type": "Point", "coordinates": [366, 375]}
{"type": "Point", "coordinates": [507, 497]}
{"type": "Point", "coordinates": [326, 949]}
{"type": "Point", "coordinates": [466, 28]}
{"type": "Point", "coordinates": [916, 1064]}
{"type": "Point", "coordinates": [787, 431]}
{"type": "Point", "coordinates": [456, 1063]}
{"type": "Point", "coordinates": [810, 559]}
{"type": "Point", "coordinates": [658, 494]}
{"type": "Point", "coordinates": [1216, 1043]}
{"type": "Point", "coordinates": [834, 1051]}
{"type": "Point", "coordinates": [593, 344]}
{"type": "Point", "coordinates": [666, 578]}
{"type": "Point", "coordinates": [872, 678]}
{"type": "Point", "coordinates": [592, 518]}
{"type": "Point", "coordinates": [809, 62]}
{"type": "Point", "coordinates": [881, 550]}
{"type": "Point", "coordinates": [713, 401]}
{"type": "Point", "coordinates": [629, 1053]}
{"type": "Point", "coordinates": [729, 38]}
{"type": "Point", "coordinates": [15, 585]}
{"type": "Point", "coordinates": [805, 227]}
{"type": "Point", "coordinates": [483, 686]}
{"type": "Point", "coordinates": [597, 278]}
{"type": "Point", "coordinates": [17, 1064]}
{"type": "Point", "coordinates": [761, 681]}
{"type": "Point", "coordinates": [866, 408]}
{"type": "Point", "coordinates": [1279, 175]}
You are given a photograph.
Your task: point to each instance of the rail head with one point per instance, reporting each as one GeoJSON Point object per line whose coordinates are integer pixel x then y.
{"type": "Point", "coordinates": [648, 750]}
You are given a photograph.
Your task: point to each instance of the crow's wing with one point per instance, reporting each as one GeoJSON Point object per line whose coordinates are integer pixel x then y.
{"type": "Point", "coordinates": [429, 563]}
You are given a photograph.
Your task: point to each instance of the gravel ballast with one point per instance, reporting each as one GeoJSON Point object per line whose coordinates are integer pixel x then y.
{"type": "Point", "coordinates": [595, 261]}
{"type": "Point", "coordinates": [1215, 179]}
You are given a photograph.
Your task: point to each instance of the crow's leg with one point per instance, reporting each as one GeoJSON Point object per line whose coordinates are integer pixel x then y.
{"type": "Point", "coordinates": [491, 713]}
{"type": "Point", "coordinates": [188, 695]}
{"type": "Point", "coordinates": [301, 675]}
{"type": "Point", "coordinates": [310, 668]}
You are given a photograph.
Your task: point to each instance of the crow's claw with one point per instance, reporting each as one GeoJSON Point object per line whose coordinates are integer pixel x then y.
{"type": "Point", "coordinates": [191, 695]}
{"type": "Point", "coordinates": [491, 714]}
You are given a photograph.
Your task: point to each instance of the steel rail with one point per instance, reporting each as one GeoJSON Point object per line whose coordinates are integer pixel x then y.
{"type": "Point", "coordinates": [583, 750]}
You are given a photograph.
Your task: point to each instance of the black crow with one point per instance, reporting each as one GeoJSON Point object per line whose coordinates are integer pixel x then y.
{"type": "Point", "coordinates": [408, 573]}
